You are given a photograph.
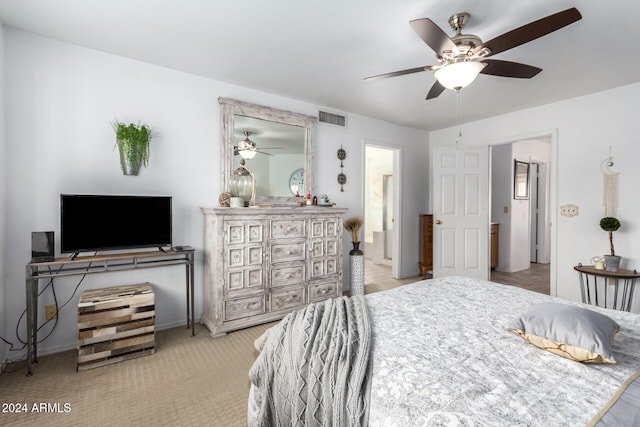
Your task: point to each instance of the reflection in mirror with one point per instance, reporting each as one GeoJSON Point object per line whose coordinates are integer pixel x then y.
{"type": "Point", "coordinates": [520, 180]}
{"type": "Point", "coordinates": [277, 146]}
{"type": "Point", "coordinates": [274, 154]}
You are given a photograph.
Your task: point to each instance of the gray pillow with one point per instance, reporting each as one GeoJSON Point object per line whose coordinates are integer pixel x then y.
{"type": "Point", "coordinates": [569, 331]}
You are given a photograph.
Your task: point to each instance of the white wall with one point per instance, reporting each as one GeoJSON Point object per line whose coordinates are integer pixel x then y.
{"type": "Point", "coordinates": [586, 127]}
{"type": "Point", "coordinates": [4, 348]}
{"type": "Point", "coordinates": [61, 99]}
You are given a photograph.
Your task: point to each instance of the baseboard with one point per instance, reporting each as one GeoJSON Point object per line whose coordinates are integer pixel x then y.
{"type": "Point", "coordinates": [73, 346]}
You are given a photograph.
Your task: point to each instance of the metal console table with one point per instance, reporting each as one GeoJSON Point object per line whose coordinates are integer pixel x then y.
{"type": "Point", "coordinates": [592, 279]}
{"type": "Point", "coordinates": [62, 267]}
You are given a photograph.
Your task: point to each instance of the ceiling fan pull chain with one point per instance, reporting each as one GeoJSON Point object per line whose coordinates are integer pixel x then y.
{"type": "Point", "coordinates": [458, 116]}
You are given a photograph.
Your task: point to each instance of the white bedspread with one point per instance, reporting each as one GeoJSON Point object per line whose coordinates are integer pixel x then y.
{"type": "Point", "coordinates": [443, 355]}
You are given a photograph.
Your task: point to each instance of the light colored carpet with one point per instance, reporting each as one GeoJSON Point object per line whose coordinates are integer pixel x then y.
{"type": "Point", "coordinates": [189, 381]}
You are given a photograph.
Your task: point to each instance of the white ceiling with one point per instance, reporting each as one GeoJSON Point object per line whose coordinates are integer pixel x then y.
{"type": "Point", "coordinates": [319, 51]}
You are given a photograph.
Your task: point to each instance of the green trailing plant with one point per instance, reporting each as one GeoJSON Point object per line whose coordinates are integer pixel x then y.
{"type": "Point", "coordinates": [133, 141]}
{"type": "Point", "coordinates": [610, 224]}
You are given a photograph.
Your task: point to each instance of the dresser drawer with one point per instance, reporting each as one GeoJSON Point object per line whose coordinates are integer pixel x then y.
{"type": "Point", "coordinates": [282, 252]}
{"type": "Point", "coordinates": [320, 248]}
{"type": "Point", "coordinates": [239, 232]}
{"type": "Point", "coordinates": [287, 274]}
{"type": "Point", "coordinates": [244, 278]}
{"type": "Point", "coordinates": [244, 307]}
{"type": "Point", "coordinates": [289, 299]}
{"type": "Point", "coordinates": [323, 228]}
{"type": "Point", "coordinates": [287, 229]}
{"type": "Point", "coordinates": [241, 256]}
{"type": "Point", "coordinates": [322, 291]}
{"type": "Point", "coordinates": [323, 267]}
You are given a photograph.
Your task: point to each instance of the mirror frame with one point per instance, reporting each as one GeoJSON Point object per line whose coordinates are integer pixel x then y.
{"type": "Point", "coordinates": [232, 107]}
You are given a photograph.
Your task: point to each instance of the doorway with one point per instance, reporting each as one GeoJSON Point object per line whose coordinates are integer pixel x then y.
{"type": "Point", "coordinates": [387, 216]}
{"type": "Point", "coordinates": [380, 210]}
{"type": "Point", "coordinates": [524, 222]}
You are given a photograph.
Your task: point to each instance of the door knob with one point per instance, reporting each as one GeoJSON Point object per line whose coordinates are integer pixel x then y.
{"type": "Point", "coordinates": [437, 221]}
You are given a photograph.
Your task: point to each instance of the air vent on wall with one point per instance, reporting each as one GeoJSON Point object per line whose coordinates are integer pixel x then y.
{"type": "Point", "coordinates": [332, 119]}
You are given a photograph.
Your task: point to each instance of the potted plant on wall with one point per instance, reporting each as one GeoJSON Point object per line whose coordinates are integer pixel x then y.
{"type": "Point", "coordinates": [611, 224]}
{"type": "Point", "coordinates": [133, 143]}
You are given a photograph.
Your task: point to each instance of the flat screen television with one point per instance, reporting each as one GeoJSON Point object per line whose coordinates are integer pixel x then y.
{"type": "Point", "coordinates": [91, 222]}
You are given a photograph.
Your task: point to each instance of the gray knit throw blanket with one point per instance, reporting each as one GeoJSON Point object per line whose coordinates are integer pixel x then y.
{"type": "Point", "coordinates": [313, 369]}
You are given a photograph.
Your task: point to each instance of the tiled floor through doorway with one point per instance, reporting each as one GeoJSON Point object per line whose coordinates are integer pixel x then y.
{"type": "Point", "coordinates": [535, 278]}
{"type": "Point", "coordinates": [377, 277]}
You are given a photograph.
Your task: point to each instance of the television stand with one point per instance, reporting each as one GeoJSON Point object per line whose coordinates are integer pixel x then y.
{"type": "Point", "coordinates": [81, 265]}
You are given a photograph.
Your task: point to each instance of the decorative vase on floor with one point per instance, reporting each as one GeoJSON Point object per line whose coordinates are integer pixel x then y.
{"type": "Point", "coordinates": [356, 268]}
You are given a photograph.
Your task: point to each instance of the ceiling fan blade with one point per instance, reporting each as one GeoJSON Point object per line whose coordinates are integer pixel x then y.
{"type": "Point", "coordinates": [262, 152]}
{"type": "Point", "coordinates": [496, 67]}
{"type": "Point", "coordinates": [435, 90]}
{"type": "Point", "coordinates": [432, 35]}
{"type": "Point", "coordinates": [400, 73]}
{"type": "Point", "coordinates": [271, 148]}
{"type": "Point", "coordinates": [530, 31]}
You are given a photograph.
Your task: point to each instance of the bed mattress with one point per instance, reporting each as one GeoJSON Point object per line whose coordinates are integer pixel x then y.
{"type": "Point", "coordinates": [442, 354]}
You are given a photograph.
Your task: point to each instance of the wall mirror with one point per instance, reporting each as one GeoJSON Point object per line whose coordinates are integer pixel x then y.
{"type": "Point", "coordinates": [520, 180]}
{"type": "Point", "coordinates": [276, 145]}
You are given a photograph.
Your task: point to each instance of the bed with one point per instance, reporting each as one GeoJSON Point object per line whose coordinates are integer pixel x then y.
{"type": "Point", "coordinates": [444, 352]}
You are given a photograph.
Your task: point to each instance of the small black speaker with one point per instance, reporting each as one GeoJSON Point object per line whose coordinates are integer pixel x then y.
{"type": "Point", "coordinates": [42, 246]}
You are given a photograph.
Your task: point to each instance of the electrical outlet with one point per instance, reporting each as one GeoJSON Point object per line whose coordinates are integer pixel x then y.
{"type": "Point", "coordinates": [50, 312]}
{"type": "Point", "coordinates": [569, 210]}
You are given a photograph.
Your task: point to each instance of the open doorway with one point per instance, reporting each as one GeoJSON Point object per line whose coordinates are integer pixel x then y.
{"type": "Point", "coordinates": [521, 222]}
{"type": "Point", "coordinates": [380, 202]}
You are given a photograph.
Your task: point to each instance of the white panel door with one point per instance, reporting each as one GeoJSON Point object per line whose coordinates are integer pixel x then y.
{"type": "Point", "coordinates": [460, 211]}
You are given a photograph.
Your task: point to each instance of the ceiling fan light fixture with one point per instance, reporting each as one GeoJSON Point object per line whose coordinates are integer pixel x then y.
{"type": "Point", "coordinates": [246, 147]}
{"type": "Point", "coordinates": [459, 74]}
{"type": "Point", "coordinates": [247, 153]}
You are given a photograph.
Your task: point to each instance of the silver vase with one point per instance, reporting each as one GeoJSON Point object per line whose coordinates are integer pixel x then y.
{"type": "Point", "coordinates": [356, 269]}
{"type": "Point", "coordinates": [128, 167]}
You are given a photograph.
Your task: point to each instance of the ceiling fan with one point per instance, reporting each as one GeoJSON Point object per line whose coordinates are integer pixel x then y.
{"type": "Point", "coordinates": [462, 57]}
{"type": "Point", "coordinates": [248, 149]}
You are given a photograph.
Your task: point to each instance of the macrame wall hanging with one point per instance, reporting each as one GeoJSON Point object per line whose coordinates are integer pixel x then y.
{"type": "Point", "coordinates": [610, 186]}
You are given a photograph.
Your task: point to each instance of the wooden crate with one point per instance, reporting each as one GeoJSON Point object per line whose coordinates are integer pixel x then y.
{"type": "Point", "coordinates": [115, 324]}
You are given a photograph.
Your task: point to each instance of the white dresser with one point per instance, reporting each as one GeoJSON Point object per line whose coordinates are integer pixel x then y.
{"type": "Point", "coordinates": [262, 263]}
